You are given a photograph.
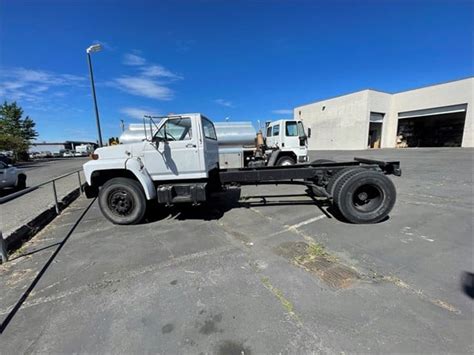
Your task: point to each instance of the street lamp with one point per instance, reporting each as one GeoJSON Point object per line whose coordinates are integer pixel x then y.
{"type": "Point", "coordinates": [91, 49]}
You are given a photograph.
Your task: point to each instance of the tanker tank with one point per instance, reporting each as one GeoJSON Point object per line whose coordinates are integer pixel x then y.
{"type": "Point", "coordinates": [229, 134]}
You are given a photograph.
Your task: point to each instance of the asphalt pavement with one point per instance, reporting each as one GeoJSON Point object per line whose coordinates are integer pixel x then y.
{"type": "Point", "coordinates": [249, 273]}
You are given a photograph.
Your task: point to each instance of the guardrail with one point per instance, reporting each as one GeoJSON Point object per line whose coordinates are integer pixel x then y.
{"type": "Point", "coordinates": [3, 248]}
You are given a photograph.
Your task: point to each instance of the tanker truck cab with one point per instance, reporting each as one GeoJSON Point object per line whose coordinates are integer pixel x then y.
{"type": "Point", "coordinates": [289, 139]}
{"type": "Point", "coordinates": [183, 147]}
{"type": "Point", "coordinates": [173, 164]}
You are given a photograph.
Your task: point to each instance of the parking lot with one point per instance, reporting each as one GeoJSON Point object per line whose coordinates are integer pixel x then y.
{"type": "Point", "coordinates": [252, 273]}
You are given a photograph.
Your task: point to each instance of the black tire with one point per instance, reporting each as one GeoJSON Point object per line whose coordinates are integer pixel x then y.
{"type": "Point", "coordinates": [21, 182]}
{"type": "Point", "coordinates": [122, 201]}
{"type": "Point", "coordinates": [365, 196]}
{"type": "Point", "coordinates": [338, 176]}
{"type": "Point", "coordinates": [285, 161]}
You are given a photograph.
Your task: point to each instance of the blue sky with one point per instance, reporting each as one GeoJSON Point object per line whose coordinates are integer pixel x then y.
{"type": "Point", "coordinates": [246, 60]}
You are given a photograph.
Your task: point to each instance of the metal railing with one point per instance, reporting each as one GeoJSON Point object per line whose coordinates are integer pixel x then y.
{"type": "Point", "coordinates": [3, 247]}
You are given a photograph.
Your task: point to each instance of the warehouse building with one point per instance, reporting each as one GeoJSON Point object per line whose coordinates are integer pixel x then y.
{"type": "Point", "coordinates": [433, 116]}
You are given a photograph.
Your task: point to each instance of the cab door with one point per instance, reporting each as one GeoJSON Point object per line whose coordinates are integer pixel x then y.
{"type": "Point", "coordinates": [291, 138]}
{"type": "Point", "coordinates": [273, 140]}
{"type": "Point", "coordinates": [173, 153]}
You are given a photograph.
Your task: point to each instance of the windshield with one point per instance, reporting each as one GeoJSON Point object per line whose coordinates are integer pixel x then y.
{"type": "Point", "coordinates": [301, 132]}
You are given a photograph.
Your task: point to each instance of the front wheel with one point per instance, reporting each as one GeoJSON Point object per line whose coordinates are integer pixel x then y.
{"type": "Point", "coordinates": [122, 201]}
{"type": "Point", "coordinates": [365, 196]}
{"type": "Point", "coordinates": [285, 161]}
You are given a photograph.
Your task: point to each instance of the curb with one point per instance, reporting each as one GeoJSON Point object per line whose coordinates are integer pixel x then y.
{"type": "Point", "coordinates": [28, 230]}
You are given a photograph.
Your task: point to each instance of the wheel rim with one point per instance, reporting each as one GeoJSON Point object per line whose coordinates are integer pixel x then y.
{"type": "Point", "coordinates": [120, 202]}
{"type": "Point", "coordinates": [367, 198]}
{"type": "Point", "coordinates": [286, 163]}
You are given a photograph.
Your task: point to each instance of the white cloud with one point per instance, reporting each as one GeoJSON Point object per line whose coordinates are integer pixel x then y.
{"type": "Point", "coordinates": [283, 112]}
{"type": "Point", "coordinates": [151, 80]}
{"type": "Point", "coordinates": [133, 59]}
{"type": "Point", "coordinates": [30, 84]}
{"type": "Point", "coordinates": [142, 86]}
{"type": "Point", "coordinates": [137, 112]}
{"type": "Point", "coordinates": [157, 71]}
{"type": "Point", "coordinates": [224, 102]}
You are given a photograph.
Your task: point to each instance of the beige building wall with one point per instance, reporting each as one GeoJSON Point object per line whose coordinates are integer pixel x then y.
{"type": "Point", "coordinates": [338, 123]}
{"type": "Point", "coordinates": [343, 122]}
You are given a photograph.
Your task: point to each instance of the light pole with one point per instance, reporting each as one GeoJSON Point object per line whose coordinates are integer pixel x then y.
{"type": "Point", "coordinates": [91, 49]}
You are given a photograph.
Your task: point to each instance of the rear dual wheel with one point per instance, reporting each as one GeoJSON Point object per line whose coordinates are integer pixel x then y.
{"type": "Point", "coordinates": [364, 196]}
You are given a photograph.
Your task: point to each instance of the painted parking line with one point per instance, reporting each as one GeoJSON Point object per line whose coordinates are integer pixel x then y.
{"type": "Point", "coordinates": [308, 221]}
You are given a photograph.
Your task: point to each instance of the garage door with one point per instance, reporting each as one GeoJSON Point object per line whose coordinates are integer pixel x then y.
{"type": "Point", "coordinates": [432, 127]}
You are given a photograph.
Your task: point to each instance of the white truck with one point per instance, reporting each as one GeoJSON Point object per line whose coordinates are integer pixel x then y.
{"type": "Point", "coordinates": [285, 143]}
{"type": "Point", "coordinates": [83, 150]}
{"type": "Point", "coordinates": [179, 163]}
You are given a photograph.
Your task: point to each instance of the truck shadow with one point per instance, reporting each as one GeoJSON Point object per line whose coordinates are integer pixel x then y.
{"type": "Point", "coordinates": [222, 202]}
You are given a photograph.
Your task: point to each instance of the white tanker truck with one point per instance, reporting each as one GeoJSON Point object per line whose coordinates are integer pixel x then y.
{"type": "Point", "coordinates": [240, 145]}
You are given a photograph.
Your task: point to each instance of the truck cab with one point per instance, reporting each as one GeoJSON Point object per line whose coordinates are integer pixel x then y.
{"type": "Point", "coordinates": [177, 148]}
{"type": "Point", "coordinates": [289, 137]}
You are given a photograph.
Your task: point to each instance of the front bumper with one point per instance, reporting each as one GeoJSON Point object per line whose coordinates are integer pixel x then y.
{"type": "Point", "coordinates": [303, 159]}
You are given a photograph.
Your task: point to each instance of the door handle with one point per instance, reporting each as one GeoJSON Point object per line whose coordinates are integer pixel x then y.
{"type": "Point", "coordinates": [190, 145]}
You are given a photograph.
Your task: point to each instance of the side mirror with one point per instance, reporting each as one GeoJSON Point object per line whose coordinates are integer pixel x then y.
{"type": "Point", "coordinates": [309, 132]}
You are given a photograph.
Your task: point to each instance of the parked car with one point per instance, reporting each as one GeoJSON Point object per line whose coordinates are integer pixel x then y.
{"type": "Point", "coordinates": [6, 159]}
{"type": "Point", "coordinates": [46, 154]}
{"type": "Point", "coordinates": [11, 176]}
{"type": "Point", "coordinates": [34, 155]}
{"type": "Point", "coordinates": [68, 154]}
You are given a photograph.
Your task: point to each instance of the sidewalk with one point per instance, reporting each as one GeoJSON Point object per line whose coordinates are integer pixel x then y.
{"type": "Point", "coordinates": [23, 216]}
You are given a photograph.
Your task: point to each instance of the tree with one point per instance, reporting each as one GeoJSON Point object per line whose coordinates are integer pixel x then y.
{"type": "Point", "coordinates": [16, 132]}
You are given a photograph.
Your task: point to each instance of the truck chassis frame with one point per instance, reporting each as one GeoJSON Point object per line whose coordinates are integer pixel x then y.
{"type": "Point", "coordinates": [286, 174]}
{"type": "Point", "coordinates": [359, 189]}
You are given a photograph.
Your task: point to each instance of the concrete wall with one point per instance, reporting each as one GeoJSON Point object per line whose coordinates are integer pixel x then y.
{"type": "Point", "coordinates": [380, 102]}
{"type": "Point", "coordinates": [338, 123]}
{"type": "Point", "coordinates": [343, 122]}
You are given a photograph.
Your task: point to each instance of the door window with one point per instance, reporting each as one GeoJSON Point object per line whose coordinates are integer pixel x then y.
{"type": "Point", "coordinates": [209, 130]}
{"type": "Point", "coordinates": [176, 129]}
{"type": "Point", "coordinates": [291, 129]}
{"type": "Point", "coordinates": [276, 130]}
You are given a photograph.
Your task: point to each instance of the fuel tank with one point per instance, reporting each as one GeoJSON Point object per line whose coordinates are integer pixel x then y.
{"type": "Point", "coordinates": [235, 134]}
{"type": "Point", "coordinates": [229, 134]}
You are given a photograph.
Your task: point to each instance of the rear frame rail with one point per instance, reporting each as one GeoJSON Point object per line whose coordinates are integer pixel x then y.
{"type": "Point", "coordinates": [286, 174]}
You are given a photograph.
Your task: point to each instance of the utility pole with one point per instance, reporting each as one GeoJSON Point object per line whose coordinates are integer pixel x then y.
{"type": "Point", "coordinates": [91, 49]}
